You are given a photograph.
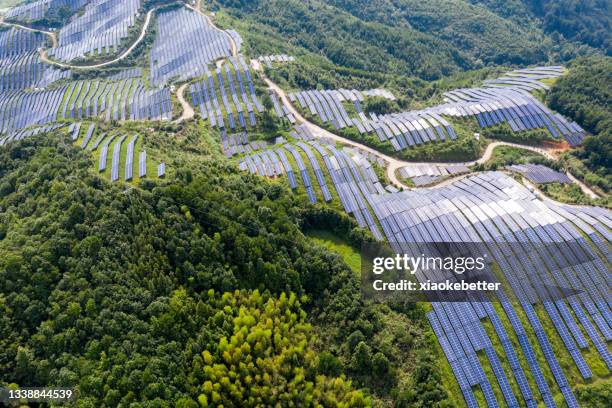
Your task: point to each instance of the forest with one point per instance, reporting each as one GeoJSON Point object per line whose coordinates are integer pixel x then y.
{"type": "Point", "coordinates": [154, 296]}
{"type": "Point", "coordinates": [427, 40]}
{"type": "Point", "coordinates": [584, 95]}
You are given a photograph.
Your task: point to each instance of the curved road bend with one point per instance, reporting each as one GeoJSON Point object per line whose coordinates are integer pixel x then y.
{"type": "Point", "coordinates": [145, 27]}
{"type": "Point", "coordinates": [188, 110]}
{"type": "Point", "coordinates": [395, 164]}
{"type": "Point", "coordinates": [49, 34]}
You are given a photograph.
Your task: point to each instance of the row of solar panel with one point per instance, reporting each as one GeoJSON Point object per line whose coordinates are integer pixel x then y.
{"type": "Point", "coordinates": [122, 100]}
{"type": "Point", "coordinates": [184, 46]}
{"type": "Point", "coordinates": [97, 31]}
{"type": "Point", "coordinates": [22, 134]}
{"type": "Point", "coordinates": [461, 217]}
{"type": "Point", "coordinates": [27, 71]}
{"type": "Point", "coordinates": [244, 105]}
{"type": "Point", "coordinates": [540, 174]}
{"type": "Point", "coordinates": [38, 9]}
{"type": "Point", "coordinates": [512, 105]}
{"type": "Point", "coordinates": [15, 42]}
{"type": "Point", "coordinates": [128, 173]}
{"type": "Point", "coordinates": [83, 99]}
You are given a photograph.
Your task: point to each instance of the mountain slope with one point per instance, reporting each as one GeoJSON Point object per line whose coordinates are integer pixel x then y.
{"type": "Point", "coordinates": [428, 39]}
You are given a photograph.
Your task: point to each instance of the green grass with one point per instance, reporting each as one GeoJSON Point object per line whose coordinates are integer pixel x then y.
{"type": "Point", "coordinates": [338, 245]}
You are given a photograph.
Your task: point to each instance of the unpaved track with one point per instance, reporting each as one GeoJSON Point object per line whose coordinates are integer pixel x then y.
{"type": "Point", "coordinates": [188, 112]}
{"type": "Point", "coordinates": [585, 189]}
{"type": "Point", "coordinates": [49, 34]}
{"type": "Point", "coordinates": [393, 164]}
{"type": "Point", "coordinates": [127, 52]}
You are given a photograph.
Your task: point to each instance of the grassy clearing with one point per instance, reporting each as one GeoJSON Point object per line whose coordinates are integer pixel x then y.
{"type": "Point", "coordinates": [338, 245]}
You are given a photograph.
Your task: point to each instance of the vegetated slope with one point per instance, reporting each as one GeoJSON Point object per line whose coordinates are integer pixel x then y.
{"type": "Point", "coordinates": [428, 39]}
{"type": "Point", "coordinates": [584, 95]}
{"type": "Point", "coordinates": [120, 292]}
{"type": "Point", "coordinates": [585, 21]}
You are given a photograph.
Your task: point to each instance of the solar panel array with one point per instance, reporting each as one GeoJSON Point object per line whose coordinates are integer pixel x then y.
{"type": "Point", "coordinates": [184, 47]}
{"type": "Point", "coordinates": [227, 98]}
{"type": "Point", "coordinates": [528, 79]}
{"type": "Point", "coordinates": [238, 143]}
{"type": "Point", "coordinates": [104, 142]}
{"type": "Point", "coordinates": [127, 99]}
{"type": "Point", "coordinates": [402, 130]}
{"type": "Point", "coordinates": [424, 174]}
{"type": "Point", "coordinates": [512, 103]}
{"type": "Point", "coordinates": [37, 10]}
{"type": "Point", "coordinates": [301, 132]}
{"type": "Point", "coordinates": [142, 164]}
{"type": "Point", "coordinates": [269, 59]}
{"type": "Point", "coordinates": [550, 250]}
{"type": "Point", "coordinates": [15, 42]}
{"type": "Point", "coordinates": [505, 100]}
{"type": "Point", "coordinates": [381, 93]}
{"type": "Point", "coordinates": [540, 174]}
{"type": "Point", "coordinates": [20, 64]}
{"type": "Point", "coordinates": [324, 104]}
{"type": "Point", "coordinates": [19, 110]}
{"type": "Point", "coordinates": [352, 177]}
{"type": "Point", "coordinates": [409, 129]}
{"type": "Point", "coordinates": [495, 209]}
{"type": "Point", "coordinates": [126, 74]}
{"type": "Point", "coordinates": [97, 31]}
{"type": "Point", "coordinates": [22, 134]}
{"type": "Point", "coordinates": [20, 70]}
{"type": "Point", "coordinates": [116, 158]}
{"type": "Point", "coordinates": [129, 159]}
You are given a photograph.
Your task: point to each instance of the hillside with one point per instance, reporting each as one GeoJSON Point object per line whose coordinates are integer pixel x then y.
{"type": "Point", "coordinates": [249, 203]}
{"type": "Point", "coordinates": [118, 286]}
{"type": "Point", "coordinates": [425, 39]}
{"type": "Point", "coordinates": [585, 94]}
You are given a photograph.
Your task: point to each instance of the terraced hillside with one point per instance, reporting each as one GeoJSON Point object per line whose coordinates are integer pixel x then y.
{"type": "Point", "coordinates": [164, 166]}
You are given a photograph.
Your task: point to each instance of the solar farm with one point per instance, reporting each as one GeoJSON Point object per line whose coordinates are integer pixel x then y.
{"type": "Point", "coordinates": [227, 97]}
{"type": "Point", "coordinates": [186, 44]}
{"type": "Point", "coordinates": [506, 100]}
{"type": "Point", "coordinates": [566, 247]}
{"type": "Point", "coordinates": [98, 31]}
{"type": "Point", "coordinates": [540, 174]}
{"type": "Point", "coordinates": [120, 157]}
{"type": "Point", "coordinates": [39, 9]}
{"type": "Point", "coordinates": [516, 349]}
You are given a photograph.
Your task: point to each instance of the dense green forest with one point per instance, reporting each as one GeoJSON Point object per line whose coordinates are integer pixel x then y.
{"type": "Point", "coordinates": [584, 95]}
{"type": "Point", "coordinates": [120, 291]}
{"type": "Point", "coordinates": [428, 39]}
{"type": "Point", "coordinates": [585, 21]}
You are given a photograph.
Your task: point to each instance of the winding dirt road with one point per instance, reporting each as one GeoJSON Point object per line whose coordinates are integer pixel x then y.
{"type": "Point", "coordinates": [49, 34]}
{"type": "Point", "coordinates": [393, 164]}
{"type": "Point", "coordinates": [123, 55]}
{"type": "Point", "coordinates": [188, 112]}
